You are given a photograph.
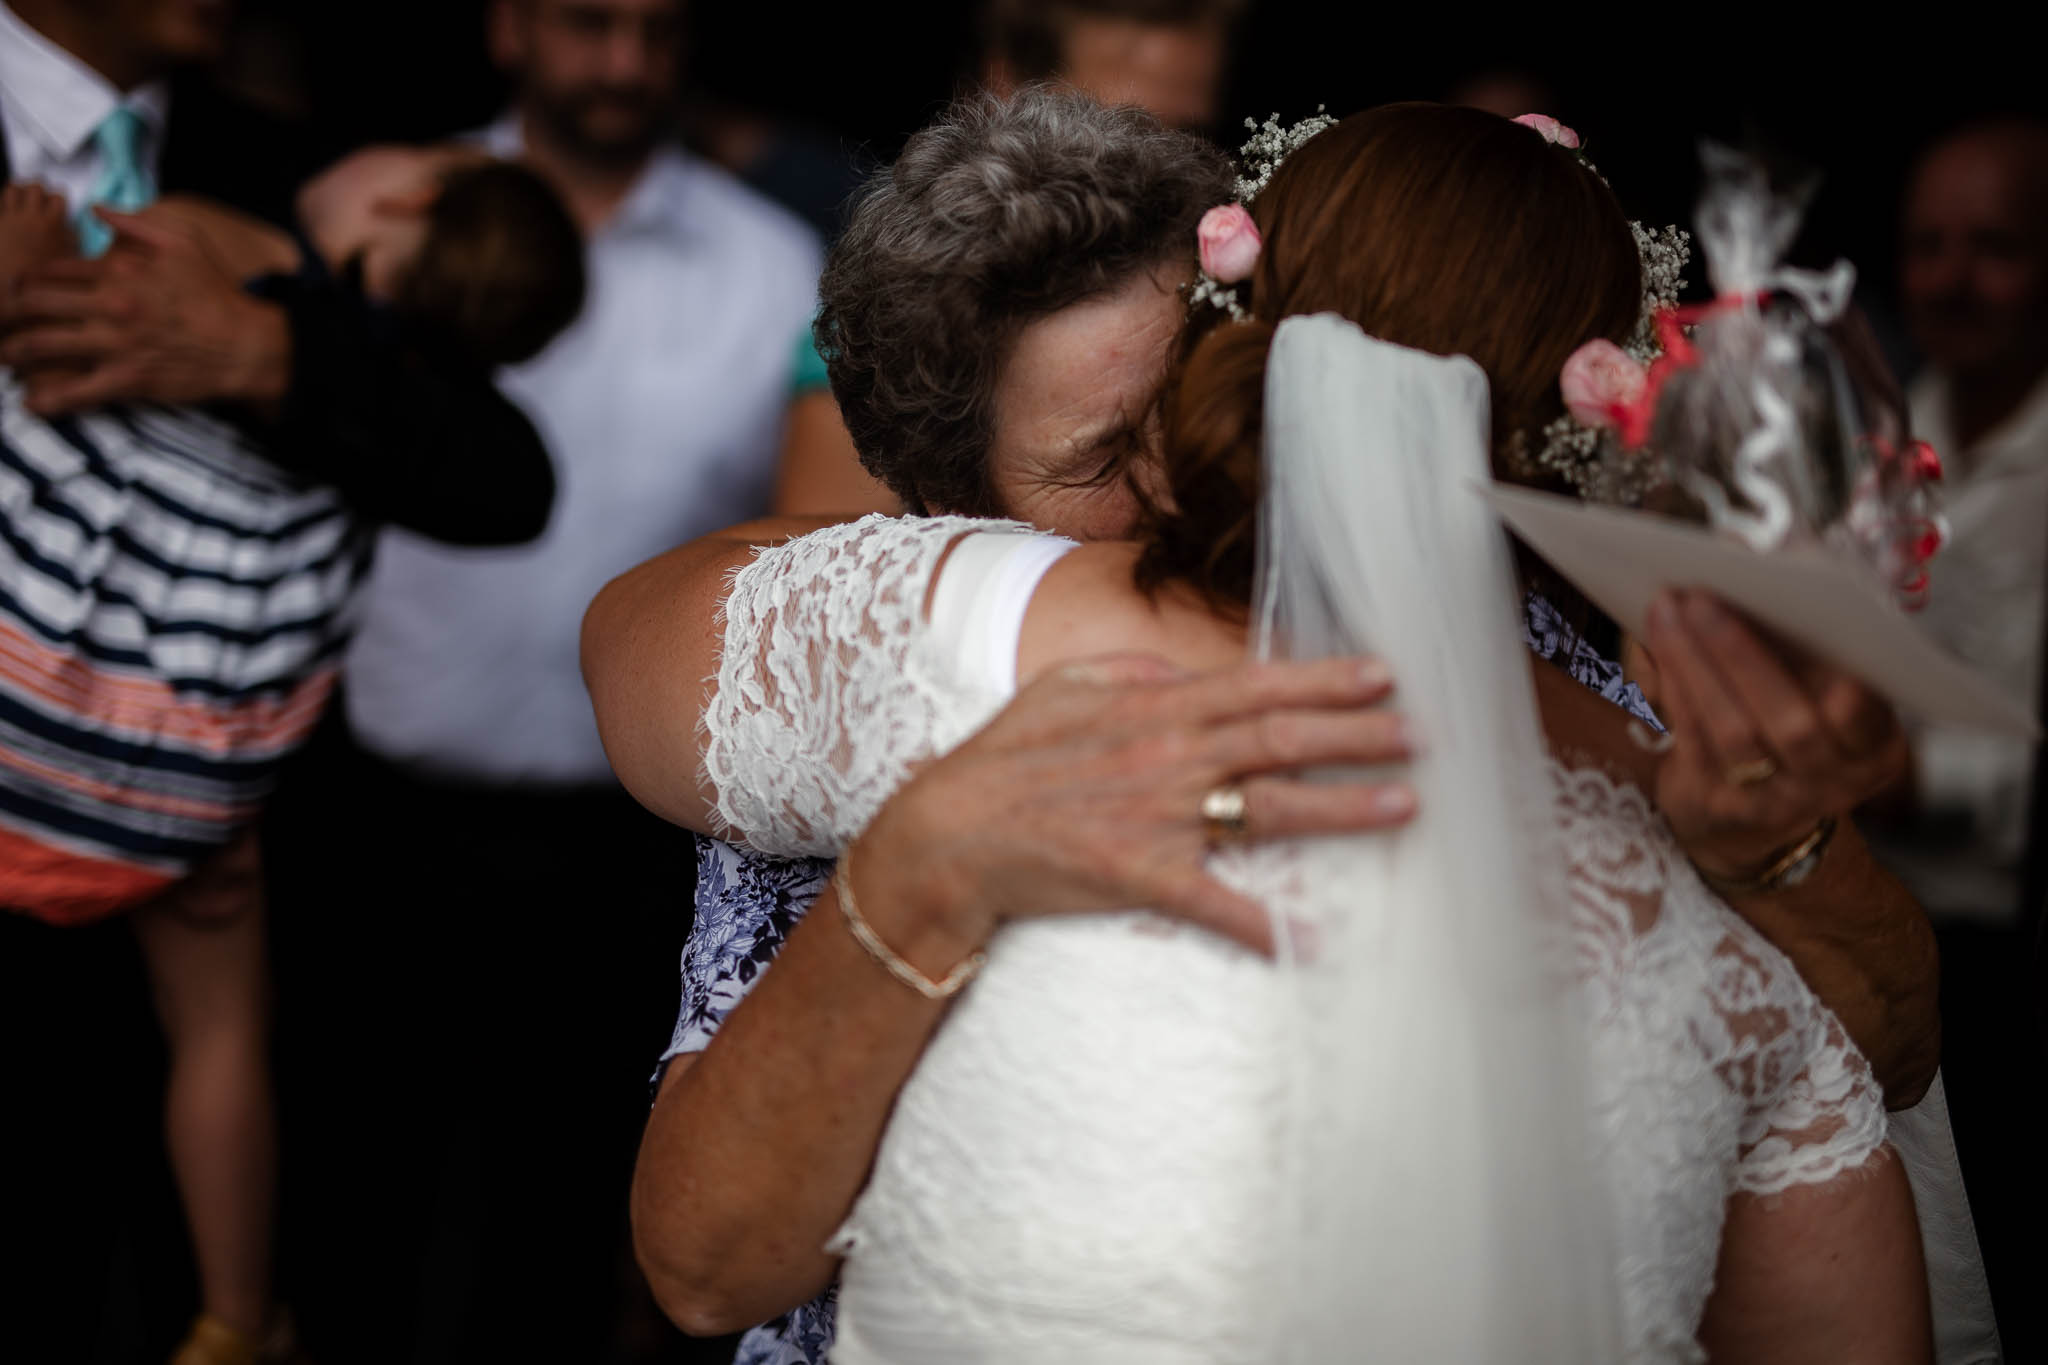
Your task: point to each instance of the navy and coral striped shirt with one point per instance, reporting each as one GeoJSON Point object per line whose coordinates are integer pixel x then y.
{"type": "Point", "coordinates": [172, 613]}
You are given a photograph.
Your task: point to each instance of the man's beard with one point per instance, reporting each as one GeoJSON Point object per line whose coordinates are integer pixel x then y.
{"type": "Point", "coordinates": [617, 144]}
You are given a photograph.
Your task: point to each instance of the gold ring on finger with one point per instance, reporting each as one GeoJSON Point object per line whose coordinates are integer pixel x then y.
{"type": "Point", "coordinates": [1753, 772]}
{"type": "Point", "coordinates": [1225, 814]}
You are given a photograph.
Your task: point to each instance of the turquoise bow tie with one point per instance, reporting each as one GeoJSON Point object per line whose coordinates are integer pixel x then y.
{"type": "Point", "coordinates": [124, 184]}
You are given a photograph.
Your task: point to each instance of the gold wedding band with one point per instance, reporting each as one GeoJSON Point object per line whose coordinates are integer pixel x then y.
{"type": "Point", "coordinates": [1224, 814]}
{"type": "Point", "coordinates": [1755, 771]}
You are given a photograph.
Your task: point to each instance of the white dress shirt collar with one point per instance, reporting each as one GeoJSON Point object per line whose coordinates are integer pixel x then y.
{"type": "Point", "coordinates": [655, 205]}
{"type": "Point", "coordinates": [58, 101]}
{"type": "Point", "coordinates": [2017, 445]}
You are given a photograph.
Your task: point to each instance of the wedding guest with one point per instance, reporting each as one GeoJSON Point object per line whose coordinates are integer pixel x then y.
{"type": "Point", "coordinates": [104, 103]}
{"type": "Point", "coordinates": [172, 606]}
{"type": "Point", "coordinates": [1974, 278]}
{"type": "Point", "coordinates": [1168, 57]}
{"type": "Point", "coordinates": [466, 797]}
{"type": "Point", "coordinates": [1974, 284]}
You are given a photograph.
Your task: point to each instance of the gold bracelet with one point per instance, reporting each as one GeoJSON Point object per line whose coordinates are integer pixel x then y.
{"type": "Point", "coordinates": [866, 937]}
{"type": "Point", "coordinates": [1792, 867]}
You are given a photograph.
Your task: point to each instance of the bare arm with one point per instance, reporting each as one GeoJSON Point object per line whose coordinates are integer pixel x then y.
{"type": "Point", "coordinates": [757, 1146]}
{"type": "Point", "coordinates": [820, 472]}
{"type": "Point", "coordinates": [1822, 1272]}
{"type": "Point", "coordinates": [650, 649]}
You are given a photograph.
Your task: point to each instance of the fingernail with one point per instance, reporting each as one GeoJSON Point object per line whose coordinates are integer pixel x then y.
{"type": "Point", "coordinates": [1651, 742]}
{"type": "Point", "coordinates": [1407, 736]}
{"type": "Point", "coordinates": [1393, 803]}
{"type": "Point", "coordinates": [1664, 611]}
{"type": "Point", "coordinates": [1372, 673]}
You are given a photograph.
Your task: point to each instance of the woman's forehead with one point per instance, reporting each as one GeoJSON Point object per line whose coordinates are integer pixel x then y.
{"type": "Point", "coordinates": [1093, 366]}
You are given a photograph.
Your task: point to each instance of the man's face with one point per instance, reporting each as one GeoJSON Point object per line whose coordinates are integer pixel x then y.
{"type": "Point", "coordinates": [1077, 415]}
{"type": "Point", "coordinates": [1173, 73]}
{"type": "Point", "coordinates": [601, 74]}
{"type": "Point", "coordinates": [1975, 260]}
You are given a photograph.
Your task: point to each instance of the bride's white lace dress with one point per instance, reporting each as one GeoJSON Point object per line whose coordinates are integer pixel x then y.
{"type": "Point", "coordinates": [1085, 1164]}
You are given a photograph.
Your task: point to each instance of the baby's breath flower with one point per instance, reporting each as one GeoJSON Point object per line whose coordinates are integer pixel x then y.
{"type": "Point", "coordinates": [1269, 145]}
{"type": "Point", "coordinates": [1218, 295]}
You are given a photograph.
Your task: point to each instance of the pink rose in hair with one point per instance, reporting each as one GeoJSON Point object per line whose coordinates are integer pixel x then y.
{"type": "Point", "coordinates": [1550, 130]}
{"type": "Point", "coordinates": [1229, 242]}
{"type": "Point", "coordinates": [1601, 382]}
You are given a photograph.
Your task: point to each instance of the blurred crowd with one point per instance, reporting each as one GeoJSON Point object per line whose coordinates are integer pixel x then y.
{"type": "Point", "coordinates": [366, 1084]}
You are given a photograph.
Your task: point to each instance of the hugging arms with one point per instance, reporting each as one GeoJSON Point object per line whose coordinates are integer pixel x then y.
{"type": "Point", "coordinates": [1087, 791]}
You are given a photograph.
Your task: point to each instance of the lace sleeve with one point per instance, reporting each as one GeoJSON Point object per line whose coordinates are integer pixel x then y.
{"type": "Point", "coordinates": [824, 696]}
{"type": "Point", "coordinates": [1665, 958]}
{"type": "Point", "coordinates": [1815, 1109]}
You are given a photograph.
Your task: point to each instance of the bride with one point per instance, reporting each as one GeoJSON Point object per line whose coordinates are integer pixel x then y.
{"type": "Point", "coordinates": [1421, 1131]}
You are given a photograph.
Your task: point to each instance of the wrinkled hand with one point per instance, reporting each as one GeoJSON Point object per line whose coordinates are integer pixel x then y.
{"type": "Point", "coordinates": [155, 320]}
{"type": "Point", "coordinates": [1732, 703]}
{"type": "Point", "coordinates": [1085, 793]}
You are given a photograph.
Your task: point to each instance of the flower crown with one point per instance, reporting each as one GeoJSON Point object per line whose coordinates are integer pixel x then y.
{"type": "Point", "coordinates": [1227, 239]}
{"type": "Point", "coordinates": [1600, 378]}
{"type": "Point", "coordinates": [1573, 446]}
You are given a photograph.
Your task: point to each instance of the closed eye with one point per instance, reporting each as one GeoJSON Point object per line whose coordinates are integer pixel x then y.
{"type": "Point", "coordinates": [1103, 459]}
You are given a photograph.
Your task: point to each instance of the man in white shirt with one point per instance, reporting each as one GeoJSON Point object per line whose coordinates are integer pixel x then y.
{"type": "Point", "coordinates": [1975, 285]}
{"type": "Point", "coordinates": [463, 856]}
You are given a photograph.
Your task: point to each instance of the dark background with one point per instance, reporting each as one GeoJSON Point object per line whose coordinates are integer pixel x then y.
{"type": "Point", "coordinates": [1840, 96]}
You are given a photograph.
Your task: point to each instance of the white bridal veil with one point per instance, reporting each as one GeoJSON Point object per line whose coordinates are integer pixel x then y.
{"type": "Point", "coordinates": [1437, 1131]}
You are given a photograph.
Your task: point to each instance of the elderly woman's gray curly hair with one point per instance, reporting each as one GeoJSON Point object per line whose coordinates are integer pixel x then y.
{"type": "Point", "coordinates": [1004, 211]}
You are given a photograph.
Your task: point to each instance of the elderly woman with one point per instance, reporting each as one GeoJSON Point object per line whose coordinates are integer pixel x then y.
{"type": "Point", "coordinates": [998, 317]}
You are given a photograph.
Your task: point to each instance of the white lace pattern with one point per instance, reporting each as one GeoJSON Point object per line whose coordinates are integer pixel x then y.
{"type": "Point", "coordinates": [1715, 1069]}
{"type": "Point", "coordinates": [824, 698]}
{"type": "Point", "coordinates": [1080, 1166]}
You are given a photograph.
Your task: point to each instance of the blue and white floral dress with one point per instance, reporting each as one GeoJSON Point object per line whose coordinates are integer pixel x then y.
{"type": "Point", "coordinates": [747, 904]}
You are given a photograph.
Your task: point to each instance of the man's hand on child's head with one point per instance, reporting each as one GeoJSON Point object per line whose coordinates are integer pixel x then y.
{"type": "Point", "coordinates": [155, 320]}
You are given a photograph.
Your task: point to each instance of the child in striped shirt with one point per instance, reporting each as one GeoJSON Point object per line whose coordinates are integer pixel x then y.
{"type": "Point", "coordinates": [173, 607]}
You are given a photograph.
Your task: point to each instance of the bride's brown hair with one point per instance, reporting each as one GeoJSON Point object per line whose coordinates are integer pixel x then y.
{"type": "Point", "coordinates": [1446, 229]}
